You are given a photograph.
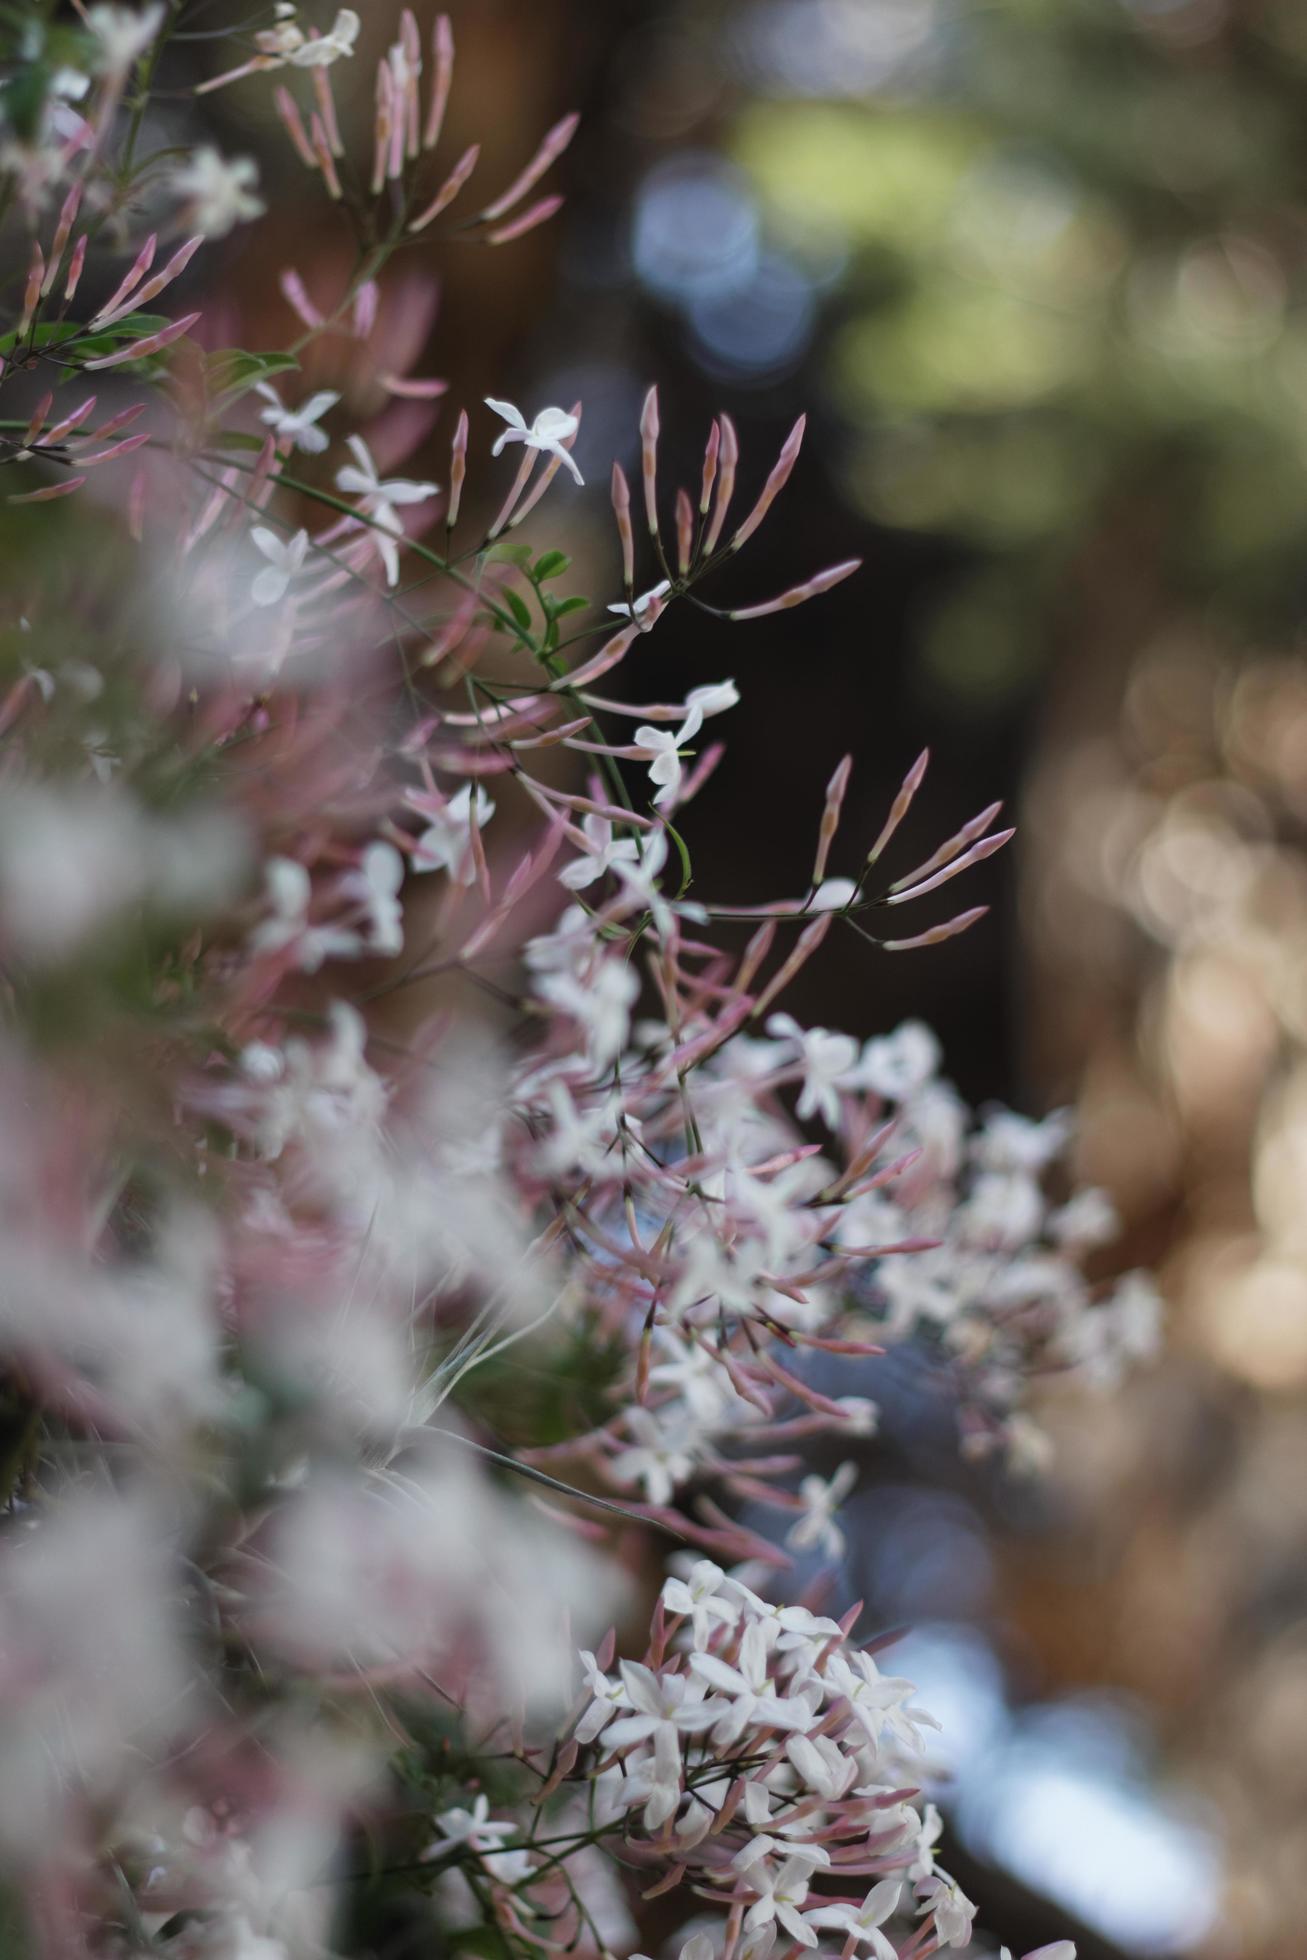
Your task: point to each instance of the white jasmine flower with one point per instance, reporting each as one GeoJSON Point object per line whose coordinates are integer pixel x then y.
{"type": "Point", "coordinates": [380, 499]}
{"type": "Point", "coordinates": [828, 1062]}
{"type": "Point", "coordinates": [444, 843]}
{"type": "Point", "coordinates": [660, 1457]}
{"type": "Point", "coordinates": [298, 424]}
{"type": "Point", "coordinates": [822, 1498]}
{"type": "Point", "coordinates": [860, 1924]}
{"type": "Point", "coordinates": [1059, 1950]}
{"type": "Point", "coordinates": [780, 1895]}
{"type": "Point", "coordinates": [713, 699]}
{"type": "Point", "coordinates": [953, 1910]}
{"type": "Point", "coordinates": [661, 747]}
{"type": "Point", "coordinates": [218, 191]}
{"type": "Point", "coordinates": [484, 1834]}
{"type": "Point", "coordinates": [602, 851]}
{"type": "Point", "coordinates": [547, 433]}
{"type": "Point", "coordinates": [753, 1697]}
{"type": "Point", "coordinates": [377, 883]}
{"type": "Point", "coordinates": [285, 559]}
{"type": "Point", "coordinates": [123, 34]}
{"type": "Point", "coordinates": [1088, 1219]}
{"type": "Point", "coordinates": [897, 1065]}
{"type": "Point", "coordinates": [698, 1599]}
{"type": "Point", "coordinates": [878, 1701]}
{"type": "Point", "coordinates": [832, 895]}
{"type": "Point", "coordinates": [330, 47]}
{"type": "Point", "coordinates": [638, 607]}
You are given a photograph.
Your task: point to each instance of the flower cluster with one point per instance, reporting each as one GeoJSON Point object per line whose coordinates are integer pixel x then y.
{"type": "Point", "coordinates": [355, 1047]}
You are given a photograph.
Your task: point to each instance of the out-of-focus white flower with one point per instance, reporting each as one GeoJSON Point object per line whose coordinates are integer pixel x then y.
{"type": "Point", "coordinates": [380, 499]}
{"type": "Point", "coordinates": [821, 1499]}
{"type": "Point", "coordinates": [861, 1924]}
{"type": "Point", "coordinates": [602, 851]}
{"type": "Point", "coordinates": [444, 844]}
{"type": "Point", "coordinates": [218, 191]}
{"type": "Point", "coordinates": [377, 883]}
{"type": "Point", "coordinates": [1088, 1219]}
{"type": "Point", "coordinates": [638, 607]}
{"type": "Point", "coordinates": [122, 33]}
{"type": "Point", "coordinates": [698, 1947]}
{"type": "Point", "coordinates": [713, 699]}
{"type": "Point", "coordinates": [299, 425]}
{"type": "Point", "coordinates": [285, 560]}
{"type": "Point", "coordinates": [1059, 1950]}
{"type": "Point", "coordinates": [483, 1834]}
{"type": "Point", "coordinates": [953, 1910]}
{"type": "Point", "coordinates": [897, 1065]}
{"type": "Point", "coordinates": [288, 890]}
{"type": "Point", "coordinates": [319, 52]}
{"type": "Point", "coordinates": [832, 895]}
{"type": "Point", "coordinates": [828, 1061]}
{"type": "Point", "coordinates": [548, 432]}
{"type": "Point", "coordinates": [660, 1457]}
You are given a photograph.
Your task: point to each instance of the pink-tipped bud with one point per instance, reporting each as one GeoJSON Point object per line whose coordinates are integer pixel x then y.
{"type": "Point", "coordinates": [37, 422]}
{"type": "Point", "coordinates": [326, 97]}
{"type": "Point", "coordinates": [684, 531]}
{"type": "Point", "coordinates": [366, 301]}
{"type": "Point", "coordinates": [830, 817]}
{"type": "Point", "coordinates": [71, 422]}
{"type": "Point", "coordinates": [621, 493]}
{"type": "Point", "coordinates": [711, 448]}
{"type": "Point", "coordinates": [730, 457]}
{"type": "Point", "coordinates": [538, 214]}
{"type": "Point", "coordinates": [295, 293]}
{"type": "Point", "coordinates": [552, 146]}
{"type": "Point", "coordinates": [948, 930]}
{"type": "Point", "coordinates": [75, 264]}
{"type": "Point", "coordinates": [808, 942]}
{"type": "Point", "coordinates": [450, 189]}
{"type": "Point", "coordinates": [649, 458]}
{"type": "Point", "coordinates": [985, 848]}
{"type": "Point", "coordinates": [140, 349]}
{"type": "Point", "coordinates": [775, 483]}
{"type": "Point", "coordinates": [326, 162]}
{"type": "Point", "coordinates": [67, 214]}
{"type": "Point", "coordinates": [442, 51]}
{"type": "Point", "coordinates": [382, 126]}
{"type": "Point", "coordinates": [899, 808]}
{"type": "Point", "coordinates": [970, 830]}
{"type": "Point", "coordinates": [457, 470]}
{"type": "Point", "coordinates": [136, 272]}
{"type": "Point", "coordinates": [32, 295]}
{"type": "Point", "coordinates": [176, 265]}
{"type": "Point", "coordinates": [799, 594]}
{"type": "Point", "coordinates": [50, 493]}
{"type": "Point", "coordinates": [291, 121]}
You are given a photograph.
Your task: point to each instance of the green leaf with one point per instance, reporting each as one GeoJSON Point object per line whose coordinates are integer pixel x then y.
{"type": "Point", "coordinates": [559, 608]}
{"type": "Point", "coordinates": [233, 372]}
{"type": "Point", "coordinates": [106, 340]}
{"type": "Point", "coordinates": [518, 607]}
{"type": "Point", "coordinates": [510, 553]}
{"type": "Point", "coordinates": [551, 565]}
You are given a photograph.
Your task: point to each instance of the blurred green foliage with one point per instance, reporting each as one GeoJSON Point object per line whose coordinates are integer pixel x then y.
{"type": "Point", "coordinates": [1076, 257]}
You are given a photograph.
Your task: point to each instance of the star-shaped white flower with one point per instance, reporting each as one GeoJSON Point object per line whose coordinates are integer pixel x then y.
{"type": "Point", "coordinates": [446, 842]}
{"type": "Point", "coordinates": [754, 1699]}
{"type": "Point", "coordinates": [285, 560]}
{"type": "Point", "coordinates": [548, 432]}
{"type": "Point", "coordinates": [602, 852]}
{"type": "Point", "coordinates": [379, 499]}
{"type": "Point", "coordinates": [821, 1499]}
{"type": "Point", "coordinates": [661, 748]}
{"type": "Point", "coordinates": [861, 1924]}
{"type": "Point", "coordinates": [299, 425]}
{"type": "Point", "coordinates": [638, 607]}
{"type": "Point", "coordinates": [328, 47]}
